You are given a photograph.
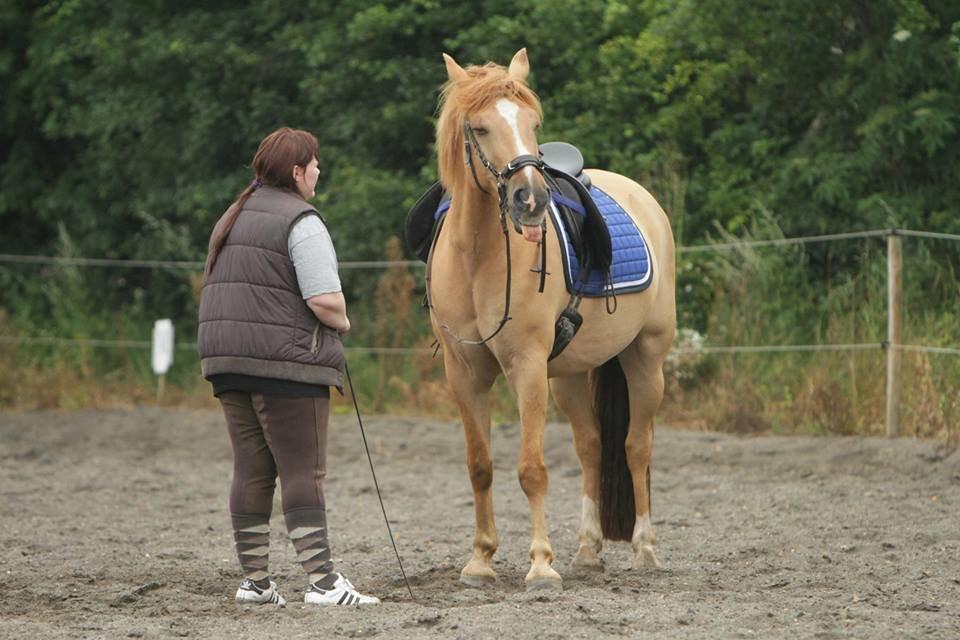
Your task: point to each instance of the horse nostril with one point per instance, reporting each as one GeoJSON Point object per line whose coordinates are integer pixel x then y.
{"type": "Point", "coordinates": [520, 196]}
{"type": "Point", "coordinates": [541, 197]}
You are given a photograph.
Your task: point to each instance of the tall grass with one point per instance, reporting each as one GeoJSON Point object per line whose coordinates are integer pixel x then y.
{"type": "Point", "coordinates": [769, 296]}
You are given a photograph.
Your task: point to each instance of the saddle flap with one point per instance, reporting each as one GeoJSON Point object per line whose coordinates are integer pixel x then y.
{"type": "Point", "coordinates": [419, 226]}
{"type": "Point", "coordinates": [593, 242]}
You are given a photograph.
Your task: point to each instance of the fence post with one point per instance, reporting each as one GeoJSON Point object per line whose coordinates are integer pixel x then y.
{"type": "Point", "coordinates": [894, 333]}
{"type": "Point", "coordinates": [162, 352]}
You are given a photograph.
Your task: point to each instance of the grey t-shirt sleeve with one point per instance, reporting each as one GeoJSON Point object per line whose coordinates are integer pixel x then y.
{"type": "Point", "coordinates": [314, 258]}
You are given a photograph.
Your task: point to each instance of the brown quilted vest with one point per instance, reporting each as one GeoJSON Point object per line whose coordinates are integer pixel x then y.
{"type": "Point", "coordinates": [253, 319]}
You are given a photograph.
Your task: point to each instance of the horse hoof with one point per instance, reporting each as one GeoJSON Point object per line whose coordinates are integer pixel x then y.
{"type": "Point", "coordinates": [646, 558]}
{"type": "Point", "coordinates": [477, 582]}
{"type": "Point", "coordinates": [586, 567]}
{"type": "Point", "coordinates": [545, 584]}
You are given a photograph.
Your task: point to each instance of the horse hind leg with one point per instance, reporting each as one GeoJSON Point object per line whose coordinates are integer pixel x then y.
{"type": "Point", "coordinates": [576, 405]}
{"type": "Point", "coordinates": [642, 364]}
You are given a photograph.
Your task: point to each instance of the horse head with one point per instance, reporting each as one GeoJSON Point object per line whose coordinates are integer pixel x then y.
{"type": "Point", "coordinates": [491, 114]}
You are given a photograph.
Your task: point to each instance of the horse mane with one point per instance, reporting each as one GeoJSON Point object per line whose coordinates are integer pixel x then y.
{"type": "Point", "coordinates": [483, 86]}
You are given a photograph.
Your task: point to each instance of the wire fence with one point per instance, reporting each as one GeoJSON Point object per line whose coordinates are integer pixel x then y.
{"type": "Point", "coordinates": [386, 264]}
{"type": "Point", "coordinates": [781, 348]}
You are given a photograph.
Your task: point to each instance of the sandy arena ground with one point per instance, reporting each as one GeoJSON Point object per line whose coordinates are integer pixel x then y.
{"type": "Point", "coordinates": [114, 524]}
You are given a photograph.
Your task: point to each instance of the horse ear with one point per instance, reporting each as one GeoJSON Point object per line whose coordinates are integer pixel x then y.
{"type": "Point", "coordinates": [519, 66]}
{"type": "Point", "coordinates": [454, 71]}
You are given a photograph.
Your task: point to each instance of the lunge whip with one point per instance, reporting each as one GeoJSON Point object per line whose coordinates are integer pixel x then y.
{"type": "Point", "coordinates": [356, 407]}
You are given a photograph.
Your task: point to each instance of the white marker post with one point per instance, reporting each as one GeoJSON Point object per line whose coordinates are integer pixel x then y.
{"type": "Point", "coordinates": [162, 356]}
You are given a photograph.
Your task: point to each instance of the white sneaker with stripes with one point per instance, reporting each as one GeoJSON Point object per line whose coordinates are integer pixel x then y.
{"type": "Point", "coordinates": [341, 593]}
{"type": "Point", "coordinates": [250, 593]}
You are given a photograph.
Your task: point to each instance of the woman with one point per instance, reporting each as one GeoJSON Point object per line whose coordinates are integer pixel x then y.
{"type": "Point", "coordinates": [271, 315]}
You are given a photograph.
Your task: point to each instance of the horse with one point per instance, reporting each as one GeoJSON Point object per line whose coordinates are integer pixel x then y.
{"type": "Point", "coordinates": [608, 381]}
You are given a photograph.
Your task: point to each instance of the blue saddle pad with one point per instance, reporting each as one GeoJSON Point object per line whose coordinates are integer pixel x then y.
{"type": "Point", "coordinates": [631, 270]}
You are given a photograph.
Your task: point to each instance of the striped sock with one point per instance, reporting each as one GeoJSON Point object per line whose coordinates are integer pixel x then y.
{"type": "Point", "coordinates": [251, 533]}
{"type": "Point", "coordinates": [308, 531]}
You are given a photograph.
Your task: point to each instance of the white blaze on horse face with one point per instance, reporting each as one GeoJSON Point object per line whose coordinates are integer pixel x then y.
{"type": "Point", "coordinates": [509, 111]}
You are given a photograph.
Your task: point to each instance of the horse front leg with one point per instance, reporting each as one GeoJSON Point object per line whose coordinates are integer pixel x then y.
{"type": "Point", "coordinates": [530, 385]}
{"type": "Point", "coordinates": [471, 392]}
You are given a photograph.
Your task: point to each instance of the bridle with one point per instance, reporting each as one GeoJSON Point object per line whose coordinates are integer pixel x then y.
{"type": "Point", "coordinates": [502, 177]}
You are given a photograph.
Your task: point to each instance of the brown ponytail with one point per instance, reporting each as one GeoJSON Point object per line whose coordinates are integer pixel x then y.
{"type": "Point", "coordinates": [272, 166]}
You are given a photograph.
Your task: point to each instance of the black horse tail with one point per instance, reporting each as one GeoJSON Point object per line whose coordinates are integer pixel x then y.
{"type": "Point", "coordinates": [612, 406]}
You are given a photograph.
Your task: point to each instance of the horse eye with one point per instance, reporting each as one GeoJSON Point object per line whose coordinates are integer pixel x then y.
{"type": "Point", "coordinates": [480, 131]}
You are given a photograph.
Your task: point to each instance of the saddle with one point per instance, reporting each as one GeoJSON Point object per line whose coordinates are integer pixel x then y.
{"type": "Point", "coordinates": [578, 211]}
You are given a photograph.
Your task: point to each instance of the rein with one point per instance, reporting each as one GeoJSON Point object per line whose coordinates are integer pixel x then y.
{"type": "Point", "coordinates": [501, 177]}
{"type": "Point", "coordinates": [506, 300]}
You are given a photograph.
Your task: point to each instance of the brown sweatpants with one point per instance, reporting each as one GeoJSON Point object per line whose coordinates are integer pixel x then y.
{"type": "Point", "coordinates": [275, 437]}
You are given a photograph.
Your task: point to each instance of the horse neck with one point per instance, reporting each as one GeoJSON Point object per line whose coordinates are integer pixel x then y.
{"type": "Point", "coordinates": [474, 222]}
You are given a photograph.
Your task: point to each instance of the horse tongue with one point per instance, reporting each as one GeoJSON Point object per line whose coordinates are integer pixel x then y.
{"type": "Point", "coordinates": [532, 233]}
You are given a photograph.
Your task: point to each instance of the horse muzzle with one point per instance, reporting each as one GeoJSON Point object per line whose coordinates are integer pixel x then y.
{"type": "Point", "coordinates": [528, 208]}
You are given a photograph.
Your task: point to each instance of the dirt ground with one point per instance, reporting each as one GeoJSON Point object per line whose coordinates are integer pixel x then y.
{"type": "Point", "coordinates": [114, 525]}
